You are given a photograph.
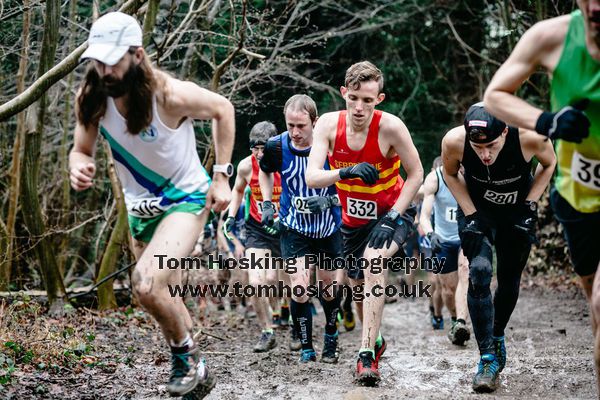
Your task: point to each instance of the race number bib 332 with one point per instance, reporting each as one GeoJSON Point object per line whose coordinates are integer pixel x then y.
{"type": "Point", "coordinates": [365, 209]}
{"type": "Point", "coordinates": [451, 214]}
{"type": "Point", "coordinates": [585, 171]}
{"type": "Point", "coordinates": [301, 205]}
{"type": "Point", "coordinates": [500, 198]}
{"type": "Point", "coordinates": [146, 208]}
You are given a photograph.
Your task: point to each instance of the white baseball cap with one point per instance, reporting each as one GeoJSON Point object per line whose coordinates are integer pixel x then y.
{"type": "Point", "coordinates": [111, 36]}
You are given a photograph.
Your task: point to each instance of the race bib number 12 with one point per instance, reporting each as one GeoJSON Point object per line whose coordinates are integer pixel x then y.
{"type": "Point", "coordinates": [365, 209]}
{"type": "Point", "coordinates": [585, 171]}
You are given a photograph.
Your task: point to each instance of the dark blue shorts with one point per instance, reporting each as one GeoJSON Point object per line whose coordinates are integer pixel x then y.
{"type": "Point", "coordinates": [294, 245]}
{"type": "Point", "coordinates": [450, 251]}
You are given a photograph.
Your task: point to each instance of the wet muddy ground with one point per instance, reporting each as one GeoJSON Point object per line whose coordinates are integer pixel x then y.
{"type": "Point", "coordinates": [549, 346]}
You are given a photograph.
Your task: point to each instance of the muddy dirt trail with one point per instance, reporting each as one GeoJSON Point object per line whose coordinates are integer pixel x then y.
{"type": "Point", "coordinates": [549, 346]}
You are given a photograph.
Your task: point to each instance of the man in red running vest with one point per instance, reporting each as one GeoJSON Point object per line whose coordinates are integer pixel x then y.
{"type": "Point", "coordinates": [365, 147]}
{"type": "Point", "coordinates": [261, 242]}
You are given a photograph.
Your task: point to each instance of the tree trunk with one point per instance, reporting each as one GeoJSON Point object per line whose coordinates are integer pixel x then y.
{"type": "Point", "coordinates": [32, 213]}
{"type": "Point", "coordinates": [63, 157]}
{"type": "Point", "coordinates": [114, 249]}
{"type": "Point", "coordinates": [118, 238]}
{"type": "Point", "coordinates": [150, 21]}
{"type": "Point", "coordinates": [15, 170]}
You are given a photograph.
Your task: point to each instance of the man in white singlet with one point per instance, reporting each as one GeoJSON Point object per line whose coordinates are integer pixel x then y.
{"type": "Point", "coordinates": [147, 118]}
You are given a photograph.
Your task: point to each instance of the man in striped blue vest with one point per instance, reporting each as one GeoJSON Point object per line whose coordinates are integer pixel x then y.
{"type": "Point", "coordinates": [310, 220]}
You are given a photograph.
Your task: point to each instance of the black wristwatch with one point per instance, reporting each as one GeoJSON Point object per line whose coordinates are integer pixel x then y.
{"type": "Point", "coordinates": [532, 205]}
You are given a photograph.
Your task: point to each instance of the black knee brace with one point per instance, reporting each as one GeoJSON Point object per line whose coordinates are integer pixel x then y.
{"type": "Point", "coordinates": [480, 277]}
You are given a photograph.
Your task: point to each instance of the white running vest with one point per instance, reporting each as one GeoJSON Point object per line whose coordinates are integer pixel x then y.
{"type": "Point", "coordinates": [158, 168]}
{"type": "Point", "coordinates": [444, 211]}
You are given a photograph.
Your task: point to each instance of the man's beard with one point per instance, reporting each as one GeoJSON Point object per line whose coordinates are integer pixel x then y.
{"type": "Point", "coordinates": [120, 87]}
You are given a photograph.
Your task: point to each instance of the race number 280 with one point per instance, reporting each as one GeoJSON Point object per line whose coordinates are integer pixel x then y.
{"type": "Point", "coordinates": [586, 171]}
{"type": "Point", "coordinates": [365, 209]}
{"type": "Point", "coordinates": [500, 198]}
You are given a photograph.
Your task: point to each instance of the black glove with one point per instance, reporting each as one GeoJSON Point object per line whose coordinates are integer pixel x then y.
{"type": "Point", "coordinates": [382, 234]}
{"type": "Point", "coordinates": [570, 123]}
{"type": "Point", "coordinates": [527, 223]}
{"type": "Point", "coordinates": [472, 235]}
{"type": "Point", "coordinates": [435, 241]}
{"type": "Point", "coordinates": [364, 171]}
{"type": "Point", "coordinates": [318, 204]}
{"type": "Point", "coordinates": [228, 227]}
{"type": "Point", "coordinates": [268, 213]}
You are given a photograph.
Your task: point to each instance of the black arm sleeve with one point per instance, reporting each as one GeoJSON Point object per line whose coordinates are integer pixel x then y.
{"type": "Point", "coordinates": [272, 157]}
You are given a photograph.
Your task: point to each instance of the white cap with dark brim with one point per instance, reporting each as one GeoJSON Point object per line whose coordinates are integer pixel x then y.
{"type": "Point", "coordinates": [111, 36]}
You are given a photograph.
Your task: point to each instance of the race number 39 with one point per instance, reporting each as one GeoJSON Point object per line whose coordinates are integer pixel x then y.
{"type": "Point", "coordinates": [365, 209]}
{"type": "Point", "coordinates": [500, 198]}
{"type": "Point", "coordinates": [586, 171]}
{"type": "Point", "coordinates": [451, 214]}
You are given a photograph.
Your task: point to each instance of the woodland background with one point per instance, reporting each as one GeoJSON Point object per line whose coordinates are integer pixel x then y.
{"type": "Point", "coordinates": [437, 58]}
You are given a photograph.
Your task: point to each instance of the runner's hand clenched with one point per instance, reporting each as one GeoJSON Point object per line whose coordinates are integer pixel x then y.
{"type": "Point", "coordinates": [382, 234]}
{"type": "Point", "coordinates": [527, 223]}
{"type": "Point", "coordinates": [81, 176]}
{"type": "Point", "coordinates": [219, 194]}
{"type": "Point", "coordinates": [569, 123]}
{"type": "Point", "coordinates": [435, 241]}
{"type": "Point", "coordinates": [318, 204]}
{"type": "Point", "coordinates": [364, 171]}
{"type": "Point", "coordinates": [228, 227]}
{"type": "Point", "coordinates": [472, 235]}
{"type": "Point", "coordinates": [268, 213]}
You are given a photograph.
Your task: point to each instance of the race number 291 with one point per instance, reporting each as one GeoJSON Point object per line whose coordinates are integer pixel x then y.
{"type": "Point", "coordinates": [358, 208]}
{"type": "Point", "coordinates": [586, 171]}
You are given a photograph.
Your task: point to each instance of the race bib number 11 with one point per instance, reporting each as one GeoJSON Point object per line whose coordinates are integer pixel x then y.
{"type": "Point", "coordinates": [586, 171]}
{"type": "Point", "coordinates": [365, 209]}
{"type": "Point", "coordinates": [451, 214]}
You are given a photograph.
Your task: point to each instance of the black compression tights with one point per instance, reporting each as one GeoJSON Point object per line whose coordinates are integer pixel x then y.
{"type": "Point", "coordinates": [491, 317]}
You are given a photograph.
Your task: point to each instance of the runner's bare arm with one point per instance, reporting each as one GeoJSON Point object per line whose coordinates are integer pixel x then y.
{"type": "Point", "coordinates": [540, 46]}
{"type": "Point", "coordinates": [82, 166]}
{"type": "Point", "coordinates": [452, 153]}
{"type": "Point", "coordinates": [397, 133]}
{"type": "Point", "coordinates": [244, 170]}
{"type": "Point", "coordinates": [190, 100]}
{"type": "Point", "coordinates": [265, 180]}
{"type": "Point", "coordinates": [544, 152]}
{"type": "Point", "coordinates": [323, 134]}
{"type": "Point", "coordinates": [429, 188]}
